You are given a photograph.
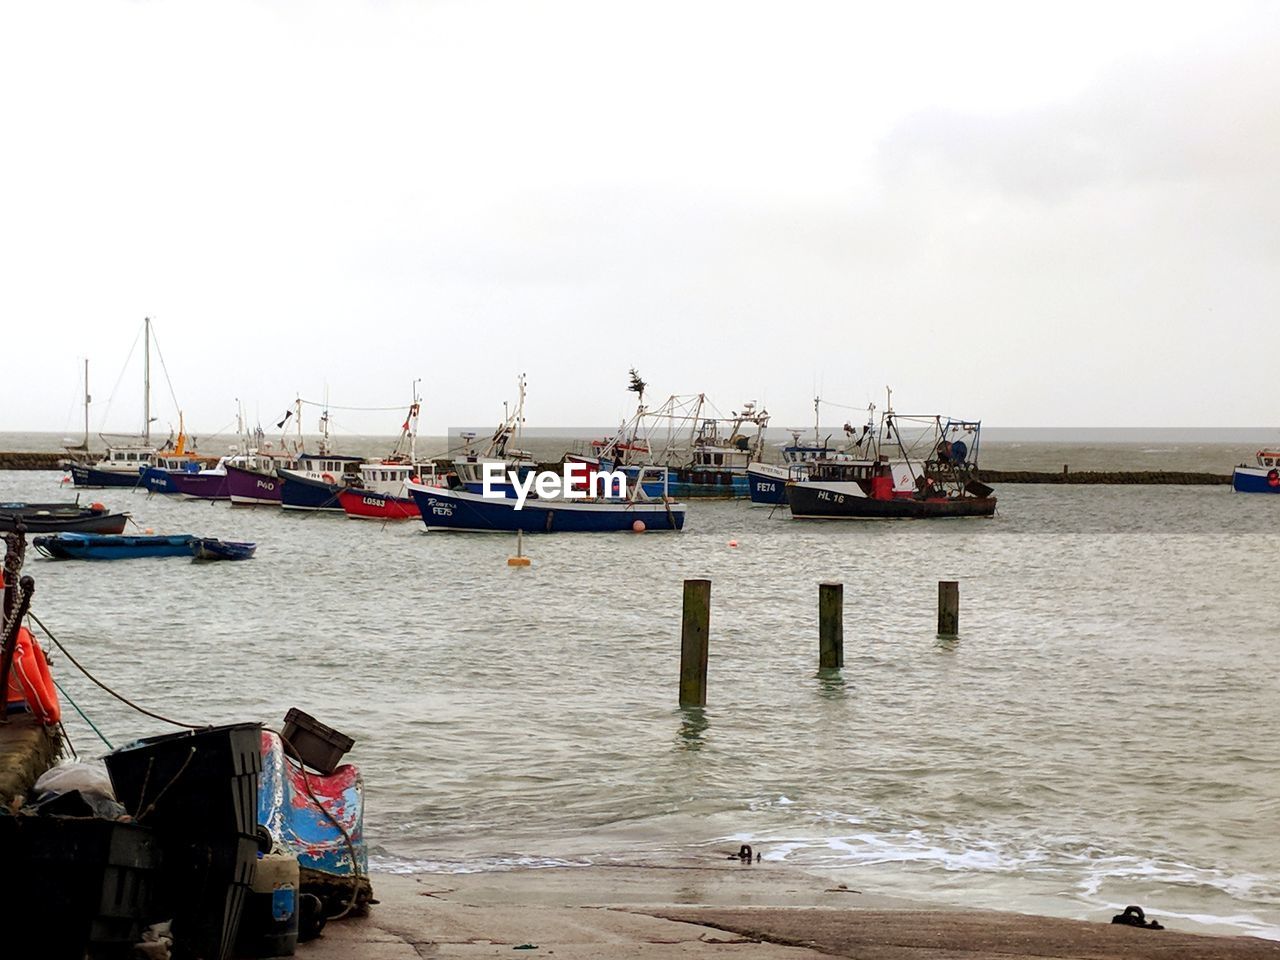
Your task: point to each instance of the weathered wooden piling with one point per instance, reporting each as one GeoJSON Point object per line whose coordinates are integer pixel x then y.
{"type": "Point", "coordinates": [948, 608]}
{"type": "Point", "coordinates": [695, 627]}
{"type": "Point", "coordinates": [830, 626]}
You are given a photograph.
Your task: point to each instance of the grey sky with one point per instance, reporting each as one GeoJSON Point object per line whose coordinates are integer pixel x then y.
{"type": "Point", "coordinates": [1031, 215]}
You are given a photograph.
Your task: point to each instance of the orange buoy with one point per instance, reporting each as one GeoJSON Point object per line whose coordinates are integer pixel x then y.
{"type": "Point", "coordinates": [638, 526]}
{"type": "Point", "coordinates": [733, 543]}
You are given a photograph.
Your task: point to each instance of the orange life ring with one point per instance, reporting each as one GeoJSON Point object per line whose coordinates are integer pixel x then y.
{"type": "Point", "coordinates": [327, 478]}
{"type": "Point", "coordinates": [31, 680]}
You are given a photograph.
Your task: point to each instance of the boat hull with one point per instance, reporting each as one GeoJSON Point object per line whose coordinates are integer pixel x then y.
{"type": "Point", "coordinates": [158, 480]}
{"type": "Point", "coordinates": [1255, 480]}
{"type": "Point", "coordinates": [93, 478]}
{"type": "Point", "coordinates": [685, 483]}
{"type": "Point", "coordinates": [367, 505]}
{"type": "Point", "coordinates": [302, 493]}
{"type": "Point", "coordinates": [251, 488]}
{"type": "Point", "coordinates": [81, 546]}
{"type": "Point", "coordinates": [318, 818]}
{"type": "Point", "coordinates": [813, 501]}
{"type": "Point", "coordinates": [208, 548]}
{"type": "Point", "coordinates": [201, 486]}
{"type": "Point", "coordinates": [85, 521]}
{"type": "Point", "coordinates": [444, 509]}
{"type": "Point", "coordinates": [767, 484]}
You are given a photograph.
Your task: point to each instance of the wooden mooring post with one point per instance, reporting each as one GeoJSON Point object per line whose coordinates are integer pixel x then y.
{"type": "Point", "coordinates": [948, 608]}
{"type": "Point", "coordinates": [830, 626]}
{"type": "Point", "coordinates": [695, 627]}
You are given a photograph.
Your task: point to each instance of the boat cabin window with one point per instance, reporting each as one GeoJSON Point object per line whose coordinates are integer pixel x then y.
{"type": "Point", "coordinates": [1269, 462]}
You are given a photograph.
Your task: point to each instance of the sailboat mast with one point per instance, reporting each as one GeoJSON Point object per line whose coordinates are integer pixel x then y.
{"type": "Point", "coordinates": [146, 384]}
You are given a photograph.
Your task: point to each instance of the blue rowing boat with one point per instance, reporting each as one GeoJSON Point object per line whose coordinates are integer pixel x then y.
{"type": "Point", "coordinates": [100, 546]}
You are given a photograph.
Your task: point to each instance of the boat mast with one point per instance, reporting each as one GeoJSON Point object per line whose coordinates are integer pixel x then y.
{"type": "Point", "coordinates": [297, 406]}
{"type": "Point", "coordinates": [520, 413]}
{"type": "Point", "coordinates": [146, 384]}
{"type": "Point", "coordinates": [413, 424]}
{"type": "Point", "coordinates": [817, 401]}
{"type": "Point", "coordinates": [87, 399]}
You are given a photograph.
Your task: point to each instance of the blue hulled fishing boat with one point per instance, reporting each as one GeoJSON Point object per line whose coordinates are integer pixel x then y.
{"type": "Point", "coordinates": [768, 481]}
{"type": "Point", "coordinates": [319, 477]}
{"type": "Point", "coordinates": [470, 463]}
{"type": "Point", "coordinates": [459, 509]}
{"type": "Point", "coordinates": [1263, 477]}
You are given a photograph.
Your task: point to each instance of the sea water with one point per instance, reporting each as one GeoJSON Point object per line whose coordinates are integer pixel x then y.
{"type": "Point", "coordinates": [1104, 730]}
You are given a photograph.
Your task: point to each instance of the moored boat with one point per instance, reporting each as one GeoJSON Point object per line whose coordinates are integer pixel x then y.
{"type": "Point", "coordinates": [499, 454]}
{"type": "Point", "coordinates": [721, 449]}
{"type": "Point", "coordinates": [254, 482]}
{"type": "Point", "coordinates": [209, 483]}
{"type": "Point", "coordinates": [127, 464]}
{"type": "Point", "coordinates": [1262, 477]}
{"type": "Point", "coordinates": [92, 546]}
{"type": "Point", "coordinates": [210, 548]}
{"type": "Point", "coordinates": [929, 472]}
{"type": "Point", "coordinates": [454, 508]}
{"type": "Point", "coordinates": [381, 491]}
{"type": "Point", "coordinates": [767, 482]}
{"type": "Point", "coordinates": [61, 518]}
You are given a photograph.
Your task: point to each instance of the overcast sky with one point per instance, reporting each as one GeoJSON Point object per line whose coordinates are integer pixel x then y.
{"type": "Point", "coordinates": [1031, 214]}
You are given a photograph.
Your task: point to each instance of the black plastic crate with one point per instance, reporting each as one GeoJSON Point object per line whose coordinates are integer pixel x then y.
{"type": "Point", "coordinates": [89, 886]}
{"type": "Point", "coordinates": [309, 741]}
{"type": "Point", "coordinates": [201, 782]}
{"type": "Point", "coordinates": [204, 889]}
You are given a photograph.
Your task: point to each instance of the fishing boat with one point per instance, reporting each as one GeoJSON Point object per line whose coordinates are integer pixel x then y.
{"type": "Point", "coordinates": [921, 467]}
{"type": "Point", "coordinates": [456, 508]}
{"type": "Point", "coordinates": [125, 463]}
{"type": "Point", "coordinates": [254, 480]}
{"type": "Point", "coordinates": [470, 464]}
{"type": "Point", "coordinates": [253, 477]}
{"type": "Point", "coordinates": [1262, 477]}
{"type": "Point", "coordinates": [381, 492]}
{"type": "Point", "coordinates": [61, 518]}
{"type": "Point", "coordinates": [209, 548]}
{"type": "Point", "coordinates": [207, 483]}
{"type": "Point", "coordinates": [767, 482]}
{"type": "Point", "coordinates": [316, 480]}
{"type": "Point", "coordinates": [703, 456]}
{"type": "Point", "coordinates": [93, 546]}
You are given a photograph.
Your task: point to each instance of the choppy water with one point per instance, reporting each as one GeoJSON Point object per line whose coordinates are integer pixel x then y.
{"type": "Point", "coordinates": [1104, 732]}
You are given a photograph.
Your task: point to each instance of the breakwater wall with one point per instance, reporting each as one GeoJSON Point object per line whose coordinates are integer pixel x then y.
{"type": "Point", "coordinates": [53, 461]}
{"type": "Point", "coordinates": [1105, 476]}
{"type": "Point", "coordinates": [31, 461]}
